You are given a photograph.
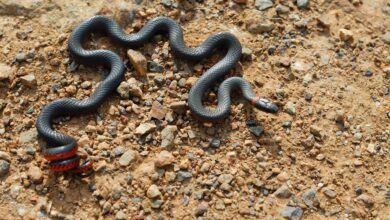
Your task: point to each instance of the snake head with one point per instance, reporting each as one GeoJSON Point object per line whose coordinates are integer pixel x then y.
{"type": "Point", "coordinates": [265, 105]}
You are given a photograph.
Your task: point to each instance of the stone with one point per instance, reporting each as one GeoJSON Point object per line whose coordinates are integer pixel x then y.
{"type": "Point", "coordinates": [324, 21]}
{"type": "Point", "coordinates": [4, 167]}
{"type": "Point", "coordinates": [5, 72]}
{"type": "Point", "coordinates": [128, 158]}
{"type": "Point", "coordinates": [156, 204]}
{"type": "Point", "coordinates": [28, 136]}
{"type": "Point", "coordinates": [191, 81]}
{"type": "Point", "coordinates": [201, 209]}
{"type": "Point", "coordinates": [153, 192]}
{"type": "Point", "coordinates": [166, 3]}
{"type": "Point", "coordinates": [371, 148]}
{"type": "Point", "coordinates": [330, 193]}
{"type": "Point", "coordinates": [260, 26]}
{"type": "Point", "coordinates": [386, 37]}
{"type": "Point", "coordinates": [246, 53]}
{"type": "Point", "coordinates": [205, 167]}
{"type": "Point", "coordinates": [281, 9]}
{"type": "Point", "coordinates": [346, 35]}
{"type": "Point", "coordinates": [310, 198]}
{"type": "Point", "coordinates": [134, 89]}
{"type": "Point", "coordinates": [138, 61]}
{"type": "Point", "coordinates": [35, 174]}
{"type": "Point", "coordinates": [120, 215]}
{"type": "Point", "coordinates": [256, 130]}
{"type": "Point", "coordinates": [283, 192]}
{"type": "Point", "coordinates": [5, 156]}
{"type": "Point", "coordinates": [367, 200]}
{"type": "Point", "coordinates": [86, 85]}
{"type": "Point", "coordinates": [324, 59]}
{"type": "Point", "coordinates": [308, 78]}
{"type": "Point", "coordinates": [215, 143]}
{"type": "Point", "coordinates": [145, 128]}
{"type": "Point", "coordinates": [155, 67]}
{"type": "Point", "coordinates": [301, 66]}
{"type": "Point", "coordinates": [316, 131]}
{"type": "Point", "coordinates": [290, 108]}
{"type": "Point", "coordinates": [178, 107]}
{"type": "Point", "coordinates": [292, 213]}
{"type": "Point", "coordinates": [164, 158]}
{"type": "Point", "coordinates": [240, 1]}
{"type": "Point", "coordinates": [302, 4]}
{"type": "Point", "coordinates": [20, 57]}
{"type": "Point", "coordinates": [167, 136]}
{"type": "Point", "coordinates": [71, 89]}
{"type": "Point", "coordinates": [183, 175]}
{"type": "Point", "coordinates": [124, 90]}
{"type": "Point", "coordinates": [29, 80]}
{"type": "Point", "coordinates": [225, 178]}
{"type": "Point", "coordinates": [263, 4]}
{"type": "Point", "coordinates": [157, 111]}
{"type": "Point", "coordinates": [220, 205]}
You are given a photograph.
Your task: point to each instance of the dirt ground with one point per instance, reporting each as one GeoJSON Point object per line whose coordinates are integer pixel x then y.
{"type": "Point", "coordinates": [324, 155]}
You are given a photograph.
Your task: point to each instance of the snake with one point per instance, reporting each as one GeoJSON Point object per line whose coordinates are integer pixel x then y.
{"type": "Point", "coordinates": [62, 150]}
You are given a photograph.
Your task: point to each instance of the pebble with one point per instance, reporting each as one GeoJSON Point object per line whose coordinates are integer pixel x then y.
{"type": "Point", "coordinates": [166, 3]}
{"type": "Point", "coordinates": [225, 178]}
{"type": "Point", "coordinates": [118, 151]}
{"type": "Point", "coordinates": [263, 4]}
{"type": "Point", "coordinates": [5, 72]}
{"type": "Point", "coordinates": [346, 35]}
{"type": "Point", "coordinates": [281, 9]}
{"type": "Point", "coordinates": [153, 192]}
{"type": "Point", "coordinates": [301, 66]}
{"type": "Point", "coordinates": [316, 131]}
{"type": "Point", "coordinates": [178, 107]}
{"type": "Point", "coordinates": [302, 4]}
{"type": "Point", "coordinates": [220, 205]}
{"type": "Point", "coordinates": [20, 57]}
{"type": "Point", "coordinates": [386, 37]}
{"type": "Point", "coordinates": [86, 85]}
{"type": "Point", "coordinates": [28, 136]}
{"type": "Point", "coordinates": [310, 198]}
{"type": "Point", "coordinates": [35, 174]}
{"type": "Point", "coordinates": [290, 108]}
{"type": "Point", "coordinates": [138, 61]}
{"type": "Point", "coordinates": [5, 156]}
{"type": "Point", "coordinates": [256, 130]}
{"type": "Point", "coordinates": [145, 128]}
{"type": "Point", "coordinates": [367, 200]}
{"type": "Point", "coordinates": [330, 193]}
{"type": "Point", "coordinates": [4, 167]}
{"type": "Point", "coordinates": [129, 157]}
{"type": "Point", "coordinates": [283, 192]}
{"type": "Point", "coordinates": [164, 158]}
{"type": "Point", "coordinates": [292, 213]}
{"type": "Point", "coordinates": [157, 111]}
{"type": "Point", "coordinates": [120, 215]}
{"type": "Point", "coordinates": [155, 67]}
{"type": "Point", "coordinates": [183, 175]}
{"type": "Point", "coordinates": [246, 53]}
{"type": "Point", "coordinates": [167, 136]}
{"type": "Point", "coordinates": [259, 27]}
{"type": "Point", "coordinates": [215, 143]}
{"type": "Point", "coordinates": [156, 204]}
{"type": "Point", "coordinates": [29, 80]}
{"type": "Point", "coordinates": [201, 209]}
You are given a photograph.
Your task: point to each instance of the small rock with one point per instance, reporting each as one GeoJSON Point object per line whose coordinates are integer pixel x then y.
{"type": "Point", "coordinates": [71, 90]}
{"type": "Point", "coordinates": [281, 9]}
{"type": "Point", "coordinates": [153, 192]}
{"type": "Point", "coordinates": [283, 192]}
{"type": "Point", "coordinates": [220, 205]}
{"type": "Point", "coordinates": [134, 89]}
{"type": "Point", "coordinates": [183, 175]}
{"type": "Point", "coordinates": [4, 167]}
{"type": "Point", "coordinates": [35, 174]}
{"type": "Point", "coordinates": [308, 78]}
{"type": "Point", "coordinates": [164, 158]}
{"type": "Point", "coordinates": [118, 151]}
{"type": "Point", "coordinates": [302, 4]}
{"type": "Point", "coordinates": [201, 209]}
{"type": "Point", "coordinates": [191, 81]}
{"type": "Point", "coordinates": [259, 27]}
{"type": "Point", "coordinates": [310, 198]}
{"type": "Point", "coordinates": [166, 3]}
{"type": "Point", "coordinates": [5, 156]}
{"type": "Point", "coordinates": [5, 72]}
{"type": "Point", "coordinates": [371, 148]}
{"type": "Point", "coordinates": [324, 60]}
{"type": "Point", "coordinates": [156, 204]}
{"type": "Point", "coordinates": [215, 143]}
{"type": "Point", "coordinates": [386, 37]}
{"type": "Point", "coordinates": [155, 67]}
{"type": "Point", "coordinates": [120, 215]}
{"type": "Point", "coordinates": [29, 80]}
{"type": "Point", "coordinates": [290, 108]}
{"type": "Point", "coordinates": [263, 4]}
{"type": "Point", "coordinates": [246, 54]}
{"type": "Point", "coordinates": [366, 199]}
{"type": "Point", "coordinates": [138, 61]}
{"type": "Point", "coordinates": [157, 111]}
{"type": "Point", "coordinates": [225, 178]}
{"type": "Point", "coordinates": [256, 130]}
{"type": "Point", "coordinates": [178, 107]}
{"type": "Point", "coordinates": [320, 157]}
{"type": "Point", "coordinates": [330, 193]}
{"type": "Point", "coordinates": [20, 57]}
{"type": "Point", "coordinates": [167, 136]}
{"type": "Point", "coordinates": [145, 128]}
{"type": "Point", "coordinates": [205, 167]}
{"type": "Point", "coordinates": [346, 35]}
{"type": "Point", "coordinates": [28, 136]}
{"type": "Point", "coordinates": [292, 213]}
{"type": "Point", "coordinates": [316, 131]}
{"type": "Point", "coordinates": [86, 85]}
{"type": "Point", "coordinates": [301, 66]}
{"type": "Point", "coordinates": [324, 21]}
{"type": "Point", "coordinates": [124, 90]}
{"type": "Point", "coordinates": [129, 157]}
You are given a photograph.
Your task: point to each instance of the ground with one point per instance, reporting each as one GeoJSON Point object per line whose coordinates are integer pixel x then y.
{"type": "Point", "coordinates": [324, 155]}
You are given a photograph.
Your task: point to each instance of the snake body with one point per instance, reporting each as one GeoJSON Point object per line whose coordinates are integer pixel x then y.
{"type": "Point", "coordinates": [61, 149]}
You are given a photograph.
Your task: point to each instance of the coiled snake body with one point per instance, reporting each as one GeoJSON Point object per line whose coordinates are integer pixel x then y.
{"type": "Point", "coordinates": [62, 149]}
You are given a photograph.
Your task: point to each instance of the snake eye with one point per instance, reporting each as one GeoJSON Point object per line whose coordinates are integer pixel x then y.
{"type": "Point", "coordinates": [266, 105]}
